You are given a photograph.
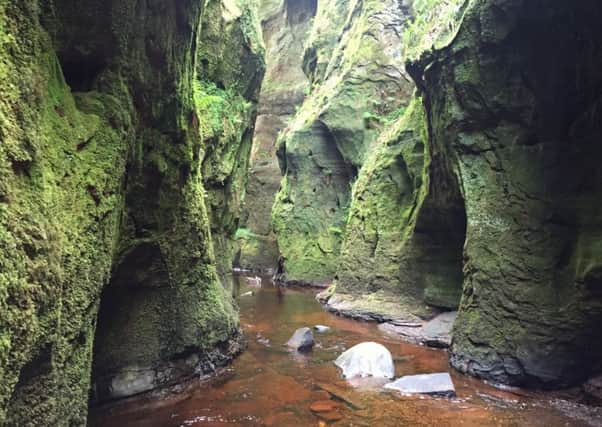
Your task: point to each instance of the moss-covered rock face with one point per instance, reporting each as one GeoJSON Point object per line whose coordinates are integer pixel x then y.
{"type": "Point", "coordinates": [286, 27]}
{"type": "Point", "coordinates": [406, 225]}
{"type": "Point", "coordinates": [513, 102]}
{"type": "Point", "coordinates": [362, 86]}
{"type": "Point", "coordinates": [382, 256]}
{"type": "Point", "coordinates": [231, 68]}
{"type": "Point", "coordinates": [106, 131]}
{"type": "Point", "coordinates": [405, 230]}
{"type": "Point", "coordinates": [489, 191]}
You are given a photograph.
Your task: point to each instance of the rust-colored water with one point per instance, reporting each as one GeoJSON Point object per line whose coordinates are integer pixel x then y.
{"type": "Point", "coordinates": [271, 386]}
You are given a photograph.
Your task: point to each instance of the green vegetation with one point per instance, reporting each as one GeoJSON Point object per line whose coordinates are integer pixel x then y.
{"type": "Point", "coordinates": [356, 93]}
{"type": "Point", "coordinates": [435, 23]}
{"type": "Point", "coordinates": [70, 215]}
{"type": "Point", "coordinates": [222, 111]}
{"type": "Point", "coordinates": [244, 233]}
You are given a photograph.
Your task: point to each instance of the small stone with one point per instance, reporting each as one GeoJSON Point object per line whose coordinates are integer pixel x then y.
{"type": "Point", "coordinates": [431, 384]}
{"type": "Point", "coordinates": [321, 328]}
{"type": "Point", "coordinates": [323, 406]}
{"type": "Point", "coordinates": [367, 359]}
{"type": "Point", "coordinates": [302, 340]}
{"type": "Point", "coordinates": [254, 281]}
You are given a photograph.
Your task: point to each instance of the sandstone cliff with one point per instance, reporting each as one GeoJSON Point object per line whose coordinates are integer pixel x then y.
{"type": "Point", "coordinates": [109, 118]}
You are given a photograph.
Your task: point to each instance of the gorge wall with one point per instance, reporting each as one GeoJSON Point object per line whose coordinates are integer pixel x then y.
{"type": "Point", "coordinates": [354, 61]}
{"type": "Point", "coordinates": [516, 107]}
{"type": "Point", "coordinates": [424, 155]}
{"type": "Point", "coordinates": [478, 193]}
{"type": "Point", "coordinates": [125, 132]}
{"type": "Point", "coordinates": [286, 28]}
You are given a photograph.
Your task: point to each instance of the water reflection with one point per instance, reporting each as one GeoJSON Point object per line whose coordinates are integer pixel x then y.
{"type": "Point", "coordinates": [269, 385]}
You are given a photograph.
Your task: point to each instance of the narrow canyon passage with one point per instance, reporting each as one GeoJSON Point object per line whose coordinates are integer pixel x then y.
{"type": "Point", "coordinates": [187, 184]}
{"type": "Point", "coordinates": [270, 385]}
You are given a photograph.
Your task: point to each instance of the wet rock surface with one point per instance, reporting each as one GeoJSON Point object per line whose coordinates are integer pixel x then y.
{"type": "Point", "coordinates": [377, 306]}
{"type": "Point", "coordinates": [593, 387]}
{"type": "Point", "coordinates": [434, 333]}
{"type": "Point", "coordinates": [302, 340]}
{"type": "Point", "coordinates": [431, 384]}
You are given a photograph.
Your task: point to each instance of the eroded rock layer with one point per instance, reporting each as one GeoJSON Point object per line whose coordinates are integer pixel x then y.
{"type": "Point", "coordinates": [109, 116]}
{"type": "Point", "coordinates": [359, 81]}
{"type": "Point", "coordinates": [286, 27]}
{"type": "Point", "coordinates": [401, 256]}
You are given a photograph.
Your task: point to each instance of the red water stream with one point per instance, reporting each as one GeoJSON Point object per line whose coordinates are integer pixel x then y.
{"type": "Point", "coordinates": [269, 385]}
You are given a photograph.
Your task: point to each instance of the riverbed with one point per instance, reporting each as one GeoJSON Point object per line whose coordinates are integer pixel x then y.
{"type": "Point", "coordinates": [269, 385]}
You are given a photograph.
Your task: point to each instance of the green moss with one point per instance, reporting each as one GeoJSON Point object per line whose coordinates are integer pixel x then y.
{"type": "Point", "coordinates": [244, 233]}
{"type": "Point", "coordinates": [222, 111]}
{"type": "Point", "coordinates": [434, 24]}
{"type": "Point", "coordinates": [69, 212]}
{"type": "Point", "coordinates": [58, 226]}
{"type": "Point", "coordinates": [339, 122]}
{"type": "Point", "coordinates": [385, 201]}
{"type": "Point", "coordinates": [225, 100]}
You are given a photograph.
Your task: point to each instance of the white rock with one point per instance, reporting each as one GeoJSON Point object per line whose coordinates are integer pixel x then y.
{"type": "Point", "coordinates": [368, 359]}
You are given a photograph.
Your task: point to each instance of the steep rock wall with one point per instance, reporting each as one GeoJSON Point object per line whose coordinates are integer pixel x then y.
{"type": "Point", "coordinates": [325, 145]}
{"type": "Point", "coordinates": [101, 192]}
{"type": "Point", "coordinates": [286, 26]}
{"type": "Point", "coordinates": [514, 101]}
{"type": "Point", "coordinates": [402, 250]}
{"type": "Point", "coordinates": [380, 272]}
{"type": "Point", "coordinates": [506, 210]}
{"type": "Point", "coordinates": [231, 68]}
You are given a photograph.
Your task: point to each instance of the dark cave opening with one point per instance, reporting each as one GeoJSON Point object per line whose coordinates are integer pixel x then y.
{"type": "Point", "coordinates": [131, 330]}
{"type": "Point", "coordinates": [439, 236]}
{"type": "Point", "coordinates": [81, 70]}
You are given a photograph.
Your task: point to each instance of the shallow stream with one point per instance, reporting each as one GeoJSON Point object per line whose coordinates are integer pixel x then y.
{"type": "Point", "coordinates": [268, 385]}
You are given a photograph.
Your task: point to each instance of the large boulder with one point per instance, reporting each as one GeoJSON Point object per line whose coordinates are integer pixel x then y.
{"type": "Point", "coordinates": [434, 333]}
{"type": "Point", "coordinates": [368, 359]}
